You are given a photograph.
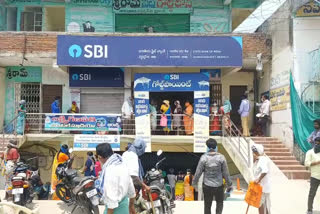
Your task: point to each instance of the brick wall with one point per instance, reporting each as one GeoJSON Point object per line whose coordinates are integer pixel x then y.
{"type": "Point", "coordinates": [35, 43]}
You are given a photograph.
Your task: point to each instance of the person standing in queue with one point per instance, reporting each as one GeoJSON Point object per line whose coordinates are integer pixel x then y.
{"type": "Point", "coordinates": [214, 167]}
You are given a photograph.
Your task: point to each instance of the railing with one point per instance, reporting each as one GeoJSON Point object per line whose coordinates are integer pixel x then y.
{"type": "Point", "coordinates": [237, 140]}
{"type": "Point", "coordinates": [35, 123]}
{"type": "Point", "coordinates": [8, 132]}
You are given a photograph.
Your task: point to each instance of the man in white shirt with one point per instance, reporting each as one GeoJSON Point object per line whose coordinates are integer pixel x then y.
{"type": "Point", "coordinates": [261, 172]}
{"type": "Point", "coordinates": [127, 116]}
{"type": "Point", "coordinates": [115, 183]}
{"type": "Point", "coordinates": [264, 113]}
{"type": "Point", "coordinates": [133, 163]}
{"type": "Point", "coordinates": [313, 162]}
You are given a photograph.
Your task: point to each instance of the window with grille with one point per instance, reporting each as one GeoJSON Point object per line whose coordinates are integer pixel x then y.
{"type": "Point", "coordinates": [31, 19]}
{"type": "Point", "coordinates": [216, 93]}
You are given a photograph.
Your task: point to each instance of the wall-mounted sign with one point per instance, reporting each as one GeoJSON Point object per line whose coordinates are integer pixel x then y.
{"type": "Point", "coordinates": [23, 74]}
{"type": "Point", "coordinates": [171, 82]}
{"type": "Point", "coordinates": [95, 77]}
{"type": "Point", "coordinates": [157, 51]}
{"type": "Point", "coordinates": [106, 3]}
{"type": "Point", "coordinates": [89, 19]}
{"type": "Point", "coordinates": [196, 82]}
{"type": "Point", "coordinates": [280, 98]}
{"type": "Point", "coordinates": [90, 142]}
{"type": "Point", "coordinates": [78, 122]}
{"type": "Point", "coordinates": [152, 6]}
{"type": "Point", "coordinates": [309, 9]}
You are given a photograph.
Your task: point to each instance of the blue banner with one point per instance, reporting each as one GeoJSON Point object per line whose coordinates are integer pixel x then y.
{"type": "Point", "coordinates": [176, 51]}
{"type": "Point", "coordinates": [172, 82]}
{"type": "Point", "coordinates": [78, 122]}
{"type": "Point", "coordinates": [95, 77]}
{"type": "Point", "coordinates": [90, 142]}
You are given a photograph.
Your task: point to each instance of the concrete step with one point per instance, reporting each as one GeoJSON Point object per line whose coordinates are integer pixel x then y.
{"type": "Point", "coordinates": [286, 162]}
{"type": "Point", "coordinates": [297, 174]}
{"type": "Point", "coordinates": [271, 146]}
{"type": "Point", "coordinates": [264, 139]}
{"type": "Point", "coordinates": [292, 167]}
{"type": "Point", "coordinates": [278, 153]}
{"type": "Point", "coordinates": [268, 142]}
{"type": "Point", "coordinates": [276, 150]}
{"type": "Point", "coordinates": [284, 158]}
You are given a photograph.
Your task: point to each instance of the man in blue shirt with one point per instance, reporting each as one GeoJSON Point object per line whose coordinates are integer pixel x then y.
{"type": "Point", "coordinates": [244, 111]}
{"type": "Point", "coordinates": [89, 166]}
{"type": "Point", "coordinates": [55, 106]}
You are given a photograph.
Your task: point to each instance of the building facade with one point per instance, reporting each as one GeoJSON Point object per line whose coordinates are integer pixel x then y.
{"type": "Point", "coordinates": [39, 62]}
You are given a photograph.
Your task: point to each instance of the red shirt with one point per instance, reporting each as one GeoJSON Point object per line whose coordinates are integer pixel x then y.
{"type": "Point", "coordinates": [97, 168]}
{"type": "Point", "coordinates": [13, 154]}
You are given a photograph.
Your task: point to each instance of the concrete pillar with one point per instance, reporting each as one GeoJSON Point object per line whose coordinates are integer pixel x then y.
{"type": "Point", "coordinates": [127, 82]}
{"type": "Point", "coordinates": [2, 94]}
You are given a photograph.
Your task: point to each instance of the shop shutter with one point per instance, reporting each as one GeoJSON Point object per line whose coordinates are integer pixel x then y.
{"type": "Point", "coordinates": [101, 103]}
{"type": "Point", "coordinates": [161, 23]}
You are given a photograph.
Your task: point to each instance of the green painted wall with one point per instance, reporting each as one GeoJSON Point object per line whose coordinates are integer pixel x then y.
{"type": "Point", "coordinates": [100, 18]}
{"type": "Point", "coordinates": [213, 20]}
{"type": "Point", "coordinates": [245, 3]}
{"type": "Point", "coordinates": [173, 23]}
{"type": "Point", "coordinates": [2, 17]}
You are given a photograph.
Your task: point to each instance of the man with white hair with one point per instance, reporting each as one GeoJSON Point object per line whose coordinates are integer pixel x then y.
{"type": "Point", "coordinates": [261, 173]}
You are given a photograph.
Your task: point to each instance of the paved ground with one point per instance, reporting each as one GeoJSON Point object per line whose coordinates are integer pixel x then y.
{"type": "Point", "coordinates": [288, 197]}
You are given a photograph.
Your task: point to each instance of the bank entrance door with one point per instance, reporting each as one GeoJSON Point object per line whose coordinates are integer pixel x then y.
{"type": "Point", "coordinates": [235, 98]}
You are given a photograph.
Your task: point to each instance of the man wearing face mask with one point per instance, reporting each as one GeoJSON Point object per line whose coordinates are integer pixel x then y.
{"type": "Point", "coordinates": [214, 167]}
{"type": "Point", "coordinates": [313, 162]}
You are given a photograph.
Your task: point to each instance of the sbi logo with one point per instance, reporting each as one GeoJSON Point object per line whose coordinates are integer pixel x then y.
{"type": "Point", "coordinates": [75, 77]}
{"type": "Point", "coordinates": [81, 77]}
{"type": "Point", "coordinates": [88, 51]}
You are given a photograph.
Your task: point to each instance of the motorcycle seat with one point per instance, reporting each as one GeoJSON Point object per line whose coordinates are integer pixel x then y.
{"type": "Point", "coordinates": [80, 180]}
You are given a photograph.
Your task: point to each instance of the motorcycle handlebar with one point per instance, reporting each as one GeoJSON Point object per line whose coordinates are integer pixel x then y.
{"type": "Point", "coordinates": [157, 165]}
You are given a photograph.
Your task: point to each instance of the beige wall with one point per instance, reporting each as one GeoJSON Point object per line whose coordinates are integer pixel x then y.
{"type": "Point", "coordinates": [239, 79]}
{"type": "Point", "coordinates": [55, 76]}
{"type": "Point", "coordinates": [54, 19]}
{"type": "Point", "coordinates": [2, 95]}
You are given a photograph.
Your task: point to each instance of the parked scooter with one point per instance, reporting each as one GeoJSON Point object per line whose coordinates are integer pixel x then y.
{"type": "Point", "coordinates": [161, 199]}
{"type": "Point", "coordinates": [22, 190]}
{"type": "Point", "coordinates": [76, 190]}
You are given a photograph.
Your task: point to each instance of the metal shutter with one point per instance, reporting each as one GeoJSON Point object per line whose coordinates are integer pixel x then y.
{"type": "Point", "coordinates": [101, 103]}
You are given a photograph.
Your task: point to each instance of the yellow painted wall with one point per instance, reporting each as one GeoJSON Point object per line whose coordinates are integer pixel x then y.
{"type": "Point", "coordinates": [2, 95]}
{"type": "Point", "coordinates": [54, 19]}
{"type": "Point", "coordinates": [239, 79]}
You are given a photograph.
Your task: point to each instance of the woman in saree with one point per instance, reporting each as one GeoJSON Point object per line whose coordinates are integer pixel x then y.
{"type": "Point", "coordinates": [21, 120]}
{"type": "Point", "coordinates": [179, 188]}
{"type": "Point", "coordinates": [188, 188]}
{"type": "Point", "coordinates": [226, 111]}
{"type": "Point", "coordinates": [215, 127]}
{"type": "Point", "coordinates": [166, 111]}
{"type": "Point", "coordinates": [61, 157]}
{"type": "Point", "coordinates": [188, 118]}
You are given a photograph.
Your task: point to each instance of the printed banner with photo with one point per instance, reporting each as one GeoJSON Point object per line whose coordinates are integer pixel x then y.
{"type": "Point", "coordinates": [280, 98]}
{"type": "Point", "coordinates": [90, 142]}
{"type": "Point", "coordinates": [78, 122]}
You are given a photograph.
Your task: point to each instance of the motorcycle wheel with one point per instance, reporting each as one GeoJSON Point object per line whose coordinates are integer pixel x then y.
{"type": "Point", "coordinates": [63, 193]}
{"type": "Point", "coordinates": [94, 210]}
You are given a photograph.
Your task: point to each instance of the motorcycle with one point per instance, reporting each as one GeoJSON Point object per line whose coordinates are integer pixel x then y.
{"type": "Point", "coordinates": [41, 191]}
{"type": "Point", "coordinates": [22, 190]}
{"type": "Point", "coordinates": [76, 190]}
{"type": "Point", "coordinates": [160, 197]}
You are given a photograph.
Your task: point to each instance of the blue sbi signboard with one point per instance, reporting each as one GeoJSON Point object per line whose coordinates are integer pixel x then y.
{"type": "Point", "coordinates": [171, 82]}
{"type": "Point", "coordinates": [96, 77]}
{"type": "Point", "coordinates": [157, 51]}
